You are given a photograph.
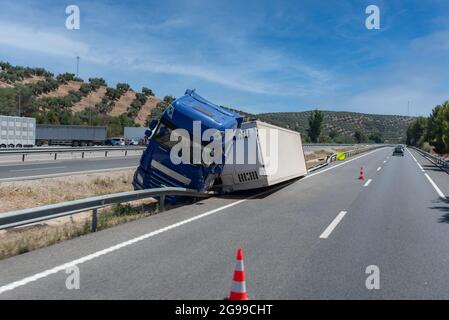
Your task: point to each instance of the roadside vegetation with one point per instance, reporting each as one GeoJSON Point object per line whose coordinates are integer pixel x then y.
{"type": "Point", "coordinates": [431, 133]}
{"type": "Point", "coordinates": [19, 97]}
{"type": "Point", "coordinates": [33, 193]}
{"type": "Point", "coordinates": [21, 240]}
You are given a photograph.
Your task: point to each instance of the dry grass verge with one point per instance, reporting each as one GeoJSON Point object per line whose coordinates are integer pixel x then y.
{"type": "Point", "coordinates": [20, 240]}
{"type": "Point", "coordinates": [33, 193]}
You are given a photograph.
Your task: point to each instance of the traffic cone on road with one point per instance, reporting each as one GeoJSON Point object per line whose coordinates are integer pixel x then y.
{"type": "Point", "coordinates": [238, 289]}
{"type": "Point", "coordinates": [361, 176]}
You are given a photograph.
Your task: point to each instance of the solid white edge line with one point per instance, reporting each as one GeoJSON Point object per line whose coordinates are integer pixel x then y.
{"type": "Point", "coordinates": [97, 254]}
{"type": "Point", "coordinates": [419, 165]}
{"type": "Point", "coordinates": [441, 194]}
{"type": "Point", "coordinates": [333, 224]}
{"type": "Point", "coordinates": [367, 183]}
{"type": "Point", "coordinates": [43, 274]}
{"type": "Point", "coordinates": [434, 185]}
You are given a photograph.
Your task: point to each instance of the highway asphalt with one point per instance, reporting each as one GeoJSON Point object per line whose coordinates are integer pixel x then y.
{"type": "Point", "coordinates": [41, 169]}
{"type": "Point", "coordinates": [312, 239]}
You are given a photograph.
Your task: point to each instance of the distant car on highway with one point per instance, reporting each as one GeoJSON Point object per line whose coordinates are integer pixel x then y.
{"type": "Point", "coordinates": [115, 142]}
{"type": "Point", "coordinates": [398, 150]}
{"type": "Point", "coordinates": [131, 142]}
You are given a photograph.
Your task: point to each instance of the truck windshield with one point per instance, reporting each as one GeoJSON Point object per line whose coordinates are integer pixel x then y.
{"type": "Point", "coordinates": [162, 135]}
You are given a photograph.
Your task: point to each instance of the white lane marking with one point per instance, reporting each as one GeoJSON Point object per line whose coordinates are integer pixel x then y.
{"type": "Point", "coordinates": [34, 169]}
{"type": "Point", "coordinates": [419, 165]}
{"type": "Point", "coordinates": [121, 245]}
{"type": "Point", "coordinates": [341, 164]}
{"type": "Point", "coordinates": [63, 174]}
{"type": "Point", "coordinates": [441, 194]}
{"type": "Point", "coordinates": [434, 185]}
{"type": "Point", "coordinates": [367, 183]}
{"type": "Point", "coordinates": [385, 161]}
{"type": "Point", "coordinates": [378, 169]}
{"type": "Point", "coordinates": [97, 254]}
{"type": "Point", "coordinates": [333, 224]}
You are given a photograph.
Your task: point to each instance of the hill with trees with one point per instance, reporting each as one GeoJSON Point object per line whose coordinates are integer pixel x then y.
{"type": "Point", "coordinates": [340, 127]}
{"type": "Point", "coordinates": [66, 99]}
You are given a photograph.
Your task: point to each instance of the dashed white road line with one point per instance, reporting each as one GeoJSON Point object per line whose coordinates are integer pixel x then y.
{"type": "Point", "coordinates": [121, 245]}
{"type": "Point", "coordinates": [378, 169]}
{"type": "Point", "coordinates": [333, 224]}
{"type": "Point", "coordinates": [385, 161]}
{"type": "Point", "coordinates": [367, 183]}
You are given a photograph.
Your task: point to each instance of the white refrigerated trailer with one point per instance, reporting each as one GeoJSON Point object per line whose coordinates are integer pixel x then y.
{"type": "Point", "coordinates": [17, 132]}
{"type": "Point", "coordinates": [263, 155]}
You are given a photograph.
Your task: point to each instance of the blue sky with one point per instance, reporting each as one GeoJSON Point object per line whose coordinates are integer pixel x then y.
{"type": "Point", "coordinates": [259, 56]}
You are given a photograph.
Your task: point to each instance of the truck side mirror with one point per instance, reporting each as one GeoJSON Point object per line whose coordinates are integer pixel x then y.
{"type": "Point", "coordinates": [153, 124]}
{"type": "Point", "coordinates": [148, 133]}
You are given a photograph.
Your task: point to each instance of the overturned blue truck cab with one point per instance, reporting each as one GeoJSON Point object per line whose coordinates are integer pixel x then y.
{"type": "Point", "coordinates": [156, 167]}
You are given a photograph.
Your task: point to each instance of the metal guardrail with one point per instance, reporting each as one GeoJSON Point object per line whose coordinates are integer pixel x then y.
{"type": "Point", "coordinates": [328, 144]}
{"type": "Point", "coordinates": [56, 151]}
{"type": "Point", "coordinates": [333, 157]}
{"type": "Point", "coordinates": [32, 215]}
{"type": "Point", "coordinates": [435, 159]}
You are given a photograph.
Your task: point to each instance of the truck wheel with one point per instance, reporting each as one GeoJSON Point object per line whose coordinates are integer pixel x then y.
{"type": "Point", "coordinates": [83, 143]}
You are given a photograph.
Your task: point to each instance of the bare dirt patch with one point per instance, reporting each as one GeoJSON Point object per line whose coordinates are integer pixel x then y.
{"type": "Point", "coordinates": [5, 85]}
{"type": "Point", "coordinates": [122, 105]}
{"type": "Point", "coordinates": [63, 90]}
{"type": "Point", "coordinates": [91, 99]}
{"type": "Point", "coordinates": [32, 79]}
{"type": "Point", "coordinates": [146, 110]}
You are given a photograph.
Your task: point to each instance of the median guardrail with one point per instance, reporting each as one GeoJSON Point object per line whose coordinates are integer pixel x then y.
{"type": "Point", "coordinates": [33, 215]}
{"type": "Point", "coordinates": [73, 150]}
{"type": "Point", "coordinates": [333, 157]}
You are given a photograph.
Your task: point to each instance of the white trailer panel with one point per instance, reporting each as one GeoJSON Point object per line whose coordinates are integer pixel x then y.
{"type": "Point", "coordinates": [271, 155]}
{"type": "Point", "coordinates": [17, 132]}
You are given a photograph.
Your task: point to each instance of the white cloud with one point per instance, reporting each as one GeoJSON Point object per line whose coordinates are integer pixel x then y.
{"type": "Point", "coordinates": [38, 40]}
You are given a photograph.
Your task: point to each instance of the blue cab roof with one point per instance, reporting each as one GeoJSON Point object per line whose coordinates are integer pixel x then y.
{"type": "Point", "coordinates": [192, 107]}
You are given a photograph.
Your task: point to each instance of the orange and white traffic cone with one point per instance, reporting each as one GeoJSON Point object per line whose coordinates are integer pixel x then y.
{"type": "Point", "coordinates": [238, 289]}
{"type": "Point", "coordinates": [361, 176]}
